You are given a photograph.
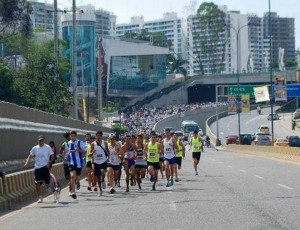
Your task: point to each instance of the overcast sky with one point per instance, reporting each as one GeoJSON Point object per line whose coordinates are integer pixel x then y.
{"type": "Point", "coordinates": [154, 9]}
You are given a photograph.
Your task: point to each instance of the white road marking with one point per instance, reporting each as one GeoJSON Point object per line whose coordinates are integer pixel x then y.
{"type": "Point", "coordinates": [229, 166]}
{"type": "Point", "coordinates": [284, 186]}
{"type": "Point", "coordinates": [241, 170]}
{"type": "Point", "coordinates": [220, 162]}
{"type": "Point", "coordinates": [172, 206]}
{"type": "Point", "coordinates": [259, 177]}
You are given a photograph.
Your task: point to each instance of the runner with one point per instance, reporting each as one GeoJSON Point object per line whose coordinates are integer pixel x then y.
{"type": "Point", "coordinates": [128, 150]}
{"type": "Point", "coordinates": [77, 149]}
{"type": "Point", "coordinates": [64, 153]}
{"type": "Point", "coordinates": [41, 154]}
{"type": "Point", "coordinates": [161, 158]}
{"type": "Point", "coordinates": [140, 162]}
{"type": "Point", "coordinates": [180, 154]}
{"type": "Point", "coordinates": [169, 146]}
{"type": "Point", "coordinates": [88, 163]}
{"type": "Point", "coordinates": [152, 153]}
{"type": "Point", "coordinates": [99, 152]}
{"type": "Point", "coordinates": [196, 145]}
{"type": "Point", "coordinates": [113, 165]}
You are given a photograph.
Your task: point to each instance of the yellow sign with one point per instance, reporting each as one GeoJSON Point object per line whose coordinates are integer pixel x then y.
{"type": "Point", "coordinates": [261, 94]}
{"type": "Point", "coordinates": [245, 103]}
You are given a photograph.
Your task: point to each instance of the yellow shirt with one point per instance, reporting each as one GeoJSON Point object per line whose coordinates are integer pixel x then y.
{"type": "Point", "coordinates": [153, 153]}
{"type": "Point", "coordinates": [196, 145]}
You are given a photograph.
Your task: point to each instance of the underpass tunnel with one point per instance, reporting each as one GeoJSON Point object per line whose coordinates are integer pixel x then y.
{"type": "Point", "coordinates": [201, 93]}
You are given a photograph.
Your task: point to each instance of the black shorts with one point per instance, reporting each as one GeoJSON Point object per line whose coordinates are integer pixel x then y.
{"type": "Point", "coordinates": [197, 155]}
{"type": "Point", "coordinates": [99, 167]}
{"type": "Point", "coordinates": [154, 164]}
{"type": "Point", "coordinates": [178, 160]}
{"type": "Point", "coordinates": [161, 159]}
{"type": "Point", "coordinates": [114, 167]}
{"type": "Point", "coordinates": [88, 164]}
{"type": "Point", "coordinates": [140, 166]}
{"type": "Point", "coordinates": [42, 175]}
{"type": "Point", "coordinates": [73, 168]}
{"type": "Point", "coordinates": [66, 170]}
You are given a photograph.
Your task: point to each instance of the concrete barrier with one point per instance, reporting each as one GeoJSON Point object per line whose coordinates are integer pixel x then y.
{"type": "Point", "coordinates": [283, 153]}
{"type": "Point", "coordinates": [18, 187]}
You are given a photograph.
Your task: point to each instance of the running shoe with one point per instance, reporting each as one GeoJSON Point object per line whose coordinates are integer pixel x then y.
{"type": "Point", "coordinates": [103, 185]}
{"type": "Point", "coordinates": [127, 189]}
{"type": "Point", "coordinates": [168, 184]}
{"type": "Point", "coordinates": [177, 180]}
{"type": "Point", "coordinates": [140, 187]}
{"type": "Point", "coordinates": [74, 195]}
{"type": "Point", "coordinates": [100, 193]}
{"type": "Point", "coordinates": [40, 200]}
{"type": "Point", "coordinates": [118, 184]}
{"type": "Point", "coordinates": [89, 188]}
{"type": "Point", "coordinates": [78, 185]}
{"type": "Point", "coordinates": [95, 189]}
{"type": "Point", "coordinates": [172, 182]}
{"type": "Point", "coordinates": [151, 178]}
{"type": "Point", "coordinates": [196, 173]}
{"type": "Point", "coordinates": [70, 194]}
{"type": "Point", "coordinates": [153, 187]}
{"type": "Point", "coordinates": [112, 190]}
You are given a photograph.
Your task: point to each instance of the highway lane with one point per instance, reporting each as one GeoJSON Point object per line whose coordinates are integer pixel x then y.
{"type": "Point", "coordinates": [250, 123]}
{"type": "Point", "coordinates": [232, 191]}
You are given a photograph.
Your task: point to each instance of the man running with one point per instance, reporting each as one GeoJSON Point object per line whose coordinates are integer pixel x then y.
{"type": "Point", "coordinates": [180, 153]}
{"type": "Point", "coordinates": [41, 154]}
{"type": "Point", "coordinates": [169, 148]}
{"type": "Point", "coordinates": [64, 153]}
{"type": "Point", "coordinates": [99, 152]}
{"type": "Point", "coordinates": [152, 153]}
{"type": "Point", "coordinates": [161, 158]}
{"type": "Point", "coordinates": [128, 150]}
{"type": "Point", "coordinates": [88, 162]}
{"type": "Point", "coordinates": [75, 160]}
{"type": "Point", "coordinates": [113, 165]}
{"type": "Point", "coordinates": [140, 162]}
{"type": "Point", "coordinates": [196, 145]}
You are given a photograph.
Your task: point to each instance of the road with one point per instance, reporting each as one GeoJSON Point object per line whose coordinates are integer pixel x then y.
{"type": "Point", "coordinates": [250, 123]}
{"type": "Point", "coordinates": [232, 191]}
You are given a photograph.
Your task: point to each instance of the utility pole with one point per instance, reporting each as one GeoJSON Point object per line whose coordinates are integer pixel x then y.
{"type": "Point", "coordinates": [100, 71]}
{"type": "Point", "coordinates": [56, 55]}
{"type": "Point", "coordinates": [74, 64]}
{"type": "Point", "coordinates": [83, 85]}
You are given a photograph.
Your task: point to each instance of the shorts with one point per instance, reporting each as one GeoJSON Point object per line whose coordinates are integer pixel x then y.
{"type": "Point", "coordinates": [141, 166]}
{"type": "Point", "coordinates": [73, 168]}
{"type": "Point", "coordinates": [161, 159]}
{"type": "Point", "coordinates": [114, 167]}
{"type": "Point", "coordinates": [178, 160]}
{"type": "Point", "coordinates": [88, 164]}
{"type": "Point", "coordinates": [99, 167]}
{"type": "Point", "coordinates": [154, 164]}
{"type": "Point", "coordinates": [197, 155]}
{"type": "Point", "coordinates": [171, 161]}
{"type": "Point", "coordinates": [42, 175]}
{"type": "Point", "coordinates": [130, 162]}
{"type": "Point", "coordinates": [66, 170]}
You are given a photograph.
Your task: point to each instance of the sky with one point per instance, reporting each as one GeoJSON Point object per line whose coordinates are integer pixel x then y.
{"type": "Point", "coordinates": [154, 9]}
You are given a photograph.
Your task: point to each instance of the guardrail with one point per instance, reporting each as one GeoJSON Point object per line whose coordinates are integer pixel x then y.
{"type": "Point", "coordinates": [19, 187]}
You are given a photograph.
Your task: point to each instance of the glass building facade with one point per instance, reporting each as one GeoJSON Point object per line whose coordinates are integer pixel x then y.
{"type": "Point", "coordinates": [136, 74]}
{"type": "Point", "coordinates": [85, 51]}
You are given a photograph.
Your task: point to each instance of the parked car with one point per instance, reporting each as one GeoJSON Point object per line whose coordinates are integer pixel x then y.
{"type": "Point", "coordinates": [294, 141]}
{"type": "Point", "coordinates": [232, 139]}
{"type": "Point", "coordinates": [282, 142]}
{"type": "Point", "coordinates": [245, 139]}
{"type": "Point", "coordinates": [264, 129]}
{"type": "Point", "coordinates": [263, 140]}
{"type": "Point", "coordinates": [273, 116]}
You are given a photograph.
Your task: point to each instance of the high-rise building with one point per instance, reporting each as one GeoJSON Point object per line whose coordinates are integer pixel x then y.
{"type": "Point", "coordinates": [173, 27]}
{"type": "Point", "coordinates": [283, 35]}
{"type": "Point", "coordinates": [105, 23]}
{"type": "Point", "coordinates": [42, 16]}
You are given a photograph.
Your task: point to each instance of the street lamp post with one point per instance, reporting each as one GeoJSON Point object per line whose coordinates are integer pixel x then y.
{"type": "Point", "coordinates": [271, 70]}
{"type": "Point", "coordinates": [238, 99]}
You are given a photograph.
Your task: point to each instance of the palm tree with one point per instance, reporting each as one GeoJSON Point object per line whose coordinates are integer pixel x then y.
{"type": "Point", "coordinates": [176, 65]}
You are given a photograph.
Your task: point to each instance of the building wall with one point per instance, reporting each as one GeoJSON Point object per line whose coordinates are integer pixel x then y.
{"type": "Point", "coordinates": [41, 19]}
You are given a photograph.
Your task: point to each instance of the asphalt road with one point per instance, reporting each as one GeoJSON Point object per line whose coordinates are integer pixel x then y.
{"type": "Point", "coordinates": [249, 123]}
{"type": "Point", "coordinates": [232, 191]}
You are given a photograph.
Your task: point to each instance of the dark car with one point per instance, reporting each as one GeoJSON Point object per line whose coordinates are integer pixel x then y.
{"type": "Point", "coordinates": [245, 139]}
{"type": "Point", "coordinates": [232, 139]}
{"type": "Point", "coordinates": [294, 141]}
{"type": "Point", "coordinates": [273, 116]}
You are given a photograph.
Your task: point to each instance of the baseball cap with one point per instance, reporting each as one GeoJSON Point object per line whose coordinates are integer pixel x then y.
{"type": "Point", "coordinates": [99, 133]}
{"type": "Point", "coordinates": [41, 138]}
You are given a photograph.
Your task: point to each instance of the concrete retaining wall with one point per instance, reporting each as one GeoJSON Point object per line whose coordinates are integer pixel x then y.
{"type": "Point", "coordinates": [19, 187]}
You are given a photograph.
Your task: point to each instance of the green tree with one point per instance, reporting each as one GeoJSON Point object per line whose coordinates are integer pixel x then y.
{"type": "Point", "coordinates": [209, 36]}
{"type": "Point", "coordinates": [176, 65]}
{"type": "Point", "coordinates": [6, 84]}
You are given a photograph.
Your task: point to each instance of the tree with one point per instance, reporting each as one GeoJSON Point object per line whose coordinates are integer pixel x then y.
{"type": "Point", "coordinates": [176, 65]}
{"type": "Point", "coordinates": [15, 17]}
{"type": "Point", "coordinates": [6, 84]}
{"type": "Point", "coordinates": [210, 36]}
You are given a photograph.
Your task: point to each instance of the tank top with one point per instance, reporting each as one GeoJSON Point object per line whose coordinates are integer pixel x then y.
{"type": "Point", "coordinates": [129, 153]}
{"type": "Point", "coordinates": [179, 152]}
{"type": "Point", "coordinates": [153, 153]}
{"type": "Point", "coordinates": [99, 154]}
{"type": "Point", "coordinates": [113, 155]}
{"type": "Point", "coordinates": [196, 145]}
{"type": "Point", "coordinates": [168, 148]}
{"type": "Point", "coordinates": [140, 157]}
{"type": "Point", "coordinates": [88, 151]}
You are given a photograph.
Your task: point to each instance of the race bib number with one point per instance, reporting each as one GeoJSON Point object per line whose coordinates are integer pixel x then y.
{"type": "Point", "coordinates": [151, 155]}
{"type": "Point", "coordinates": [168, 150]}
{"type": "Point", "coordinates": [140, 158]}
{"type": "Point", "coordinates": [195, 146]}
{"type": "Point", "coordinates": [112, 158]}
{"type": "Point", "coordinates": [99, 156]}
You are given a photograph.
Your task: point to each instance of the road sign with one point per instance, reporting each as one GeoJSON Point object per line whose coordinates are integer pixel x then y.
{"type": "Point", "coordinates": [244, 89]}
{"type": "Point", "coordinates": [293, 90]}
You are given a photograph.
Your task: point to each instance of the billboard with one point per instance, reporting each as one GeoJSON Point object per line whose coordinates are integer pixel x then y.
{"type": "Point", "coordinates": [261, 94]}
{"type": "Point", "coordinates": [232, 104]}
{"type": "Point", "coordinates": [245, 103]}
{"type": "Point", "coordinates": [280, 93]}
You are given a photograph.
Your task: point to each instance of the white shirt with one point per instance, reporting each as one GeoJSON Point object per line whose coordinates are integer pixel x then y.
{"type": "Point", "coordinates": [168, 148]}
{"type": "Point", "coordinates": [99, 155]}
{"type": "Point", "coordinates": [41, 155]}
